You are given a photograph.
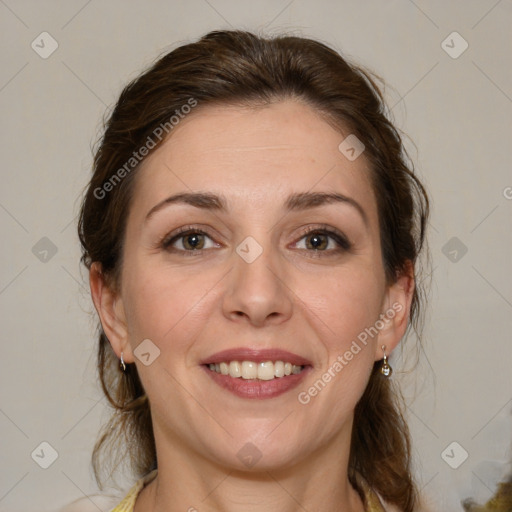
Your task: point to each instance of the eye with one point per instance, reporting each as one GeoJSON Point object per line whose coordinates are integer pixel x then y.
{"type": "Point", "coordinates": [323, 240]}
{"type": "Point", "coordinates": [188, 240]}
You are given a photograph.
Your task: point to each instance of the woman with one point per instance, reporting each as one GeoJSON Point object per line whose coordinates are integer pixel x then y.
{"type": "Point", "coordinates": [251, 230]}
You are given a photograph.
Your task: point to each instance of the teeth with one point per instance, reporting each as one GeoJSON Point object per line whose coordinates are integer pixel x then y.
{"type": "Point", "coordinates": [296, 369]}
{"type": "Point", "coordinates": [267, 370]}
{"type": "Point", "coordinates": [279, 369]}
{"type": "Point", "coordinates": [235, 369]}
{"type": "Point", "coordinates": [249, 370]}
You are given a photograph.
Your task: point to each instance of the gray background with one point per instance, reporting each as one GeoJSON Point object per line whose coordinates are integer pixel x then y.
{"type": "Point", "coordinates": [456, 110]}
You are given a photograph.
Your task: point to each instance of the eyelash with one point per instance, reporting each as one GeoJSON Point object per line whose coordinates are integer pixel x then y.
{"type": "Point", "coordinates": [340, 239]}
{"type": "Point", "coordinates": [181, 233]}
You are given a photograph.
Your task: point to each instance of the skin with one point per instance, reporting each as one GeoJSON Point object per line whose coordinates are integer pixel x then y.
{"type": "Point", "coordinates": [311, 302]}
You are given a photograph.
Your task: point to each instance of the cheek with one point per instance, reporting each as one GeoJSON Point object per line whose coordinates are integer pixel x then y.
{"type": "Point", "coordinates": [343, 308]}
{"type": "Point", "coordinates": [340, 308]}
{"type": "Point", "coordinates": [167, 306]}
{"type": "Point", "coordinates": [345, 302]}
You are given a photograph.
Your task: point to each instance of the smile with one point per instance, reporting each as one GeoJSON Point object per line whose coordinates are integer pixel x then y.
{"type": "Point", "coordinates": [265, 370]}
{"type": "Point", "coordinates": [249, 384]}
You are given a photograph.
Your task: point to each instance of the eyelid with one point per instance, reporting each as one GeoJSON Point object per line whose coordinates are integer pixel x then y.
{"type": "Point", "coordinates": [167, 241]}
{"type": "Point", "coordinates": [340, 238]}
{"type": "Point", "coordinates": [344, 244]}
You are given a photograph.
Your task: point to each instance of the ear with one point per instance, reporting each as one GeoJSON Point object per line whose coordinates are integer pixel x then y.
{"type": "Point", "coordinates": [395, 312]}
{"type": "Point", "coordinates": [109, 306]}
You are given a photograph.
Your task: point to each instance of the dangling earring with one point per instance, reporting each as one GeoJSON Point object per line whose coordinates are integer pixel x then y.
{"type": "Point", "coordinates": [385, 369]}
{"type": "Point", "coordinates": [122, 365]}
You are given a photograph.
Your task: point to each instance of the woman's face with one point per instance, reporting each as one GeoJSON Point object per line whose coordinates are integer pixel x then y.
{"type": "Point", "coordinates": [268, 263]}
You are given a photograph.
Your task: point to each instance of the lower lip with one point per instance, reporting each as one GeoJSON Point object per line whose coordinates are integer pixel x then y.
{"type": "Point", "coordinates": [258, 389]}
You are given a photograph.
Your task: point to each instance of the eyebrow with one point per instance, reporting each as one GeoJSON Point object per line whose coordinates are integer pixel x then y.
{"type": "Point", "coordinates": [295, 202]}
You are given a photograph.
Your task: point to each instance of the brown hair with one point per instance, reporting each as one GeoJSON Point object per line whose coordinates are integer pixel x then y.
{"type": "Point", "coordinates": [241, 68]}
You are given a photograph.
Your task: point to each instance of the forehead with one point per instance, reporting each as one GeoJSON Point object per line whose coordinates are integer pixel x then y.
{"type": "Point", "coordinates": [261, 154]}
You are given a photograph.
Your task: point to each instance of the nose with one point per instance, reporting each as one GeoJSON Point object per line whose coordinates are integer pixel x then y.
{"type": "Point", "coordinates": [257, 291]}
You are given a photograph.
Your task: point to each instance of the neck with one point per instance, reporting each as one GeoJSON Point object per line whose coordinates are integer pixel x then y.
{"type": "Point", "coordinates": [187, 481]}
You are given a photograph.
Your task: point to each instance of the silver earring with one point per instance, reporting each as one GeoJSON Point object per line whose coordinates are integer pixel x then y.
{"type": "Point", "coordinates": [385, 369]}
{"type": "Point", "coordinates": [122, 365]}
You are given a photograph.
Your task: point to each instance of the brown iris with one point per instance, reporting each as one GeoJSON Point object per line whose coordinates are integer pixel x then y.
{"type": "Point", "coordinates": [318, 241]}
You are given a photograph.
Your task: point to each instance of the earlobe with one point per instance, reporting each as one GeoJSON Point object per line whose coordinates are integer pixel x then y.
{"type": "Point", "coordinates": [395, 315]}
{"type": "Point", "coordinates": [109, 307]}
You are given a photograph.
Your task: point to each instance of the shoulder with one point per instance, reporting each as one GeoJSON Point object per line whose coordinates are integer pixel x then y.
{"type": "Point", "coordinates": [387, 507]}
{"type": "Point", "coordinates": [91, 504]}
{"type": "Point", "coordinates": [374, 502]}
{"type": "Point", "coordinates": [109, 502]}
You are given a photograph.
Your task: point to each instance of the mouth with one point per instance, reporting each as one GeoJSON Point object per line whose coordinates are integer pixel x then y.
{"type": "Point", "coordinates": [258, 374]}
{"type": "Point", "coordinates": [265, 370]}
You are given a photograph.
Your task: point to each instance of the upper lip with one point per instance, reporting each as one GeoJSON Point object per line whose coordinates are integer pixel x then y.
{"type": "Point", "coordinates": [256, 355]}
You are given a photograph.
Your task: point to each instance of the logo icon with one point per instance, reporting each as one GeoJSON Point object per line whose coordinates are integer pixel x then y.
{"type": "Point", "coordinates": [351, 147]}
{"type": "Point", "coordinates": [454, 455]}
{"type": "Point", "coordinates": [44, 455]}
{"type": "Point", "coordinates": [454, 249]}
{"type": "Point", "coordinates": [44, 45]}
{"type": "Point", "coordinates": [249, 455]}
{"type": "Point", "coordinates": [249, 250]}
{"type": "Point", "coordinates": [44, 250]}
{"type": "Point", "coordinates": [146, 352]}
{"type": "Point", "coordinates": [454, 45]}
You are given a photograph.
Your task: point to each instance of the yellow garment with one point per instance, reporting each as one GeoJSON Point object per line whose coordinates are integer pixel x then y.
{"type": "Point", "coordinates": [373, 503]}
{"type": "Point", "coordinates": [128, 503]}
